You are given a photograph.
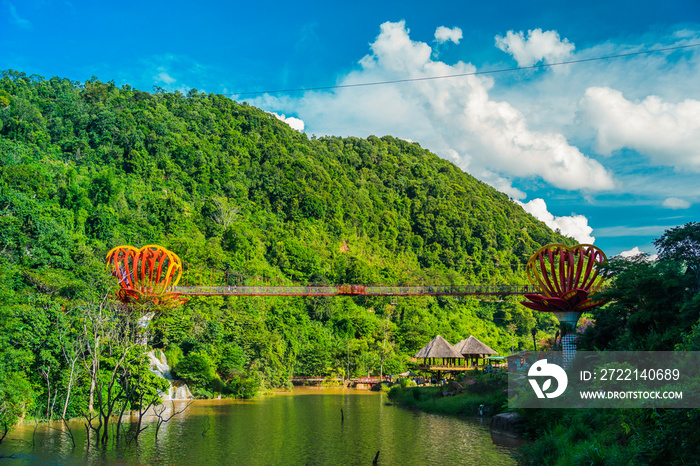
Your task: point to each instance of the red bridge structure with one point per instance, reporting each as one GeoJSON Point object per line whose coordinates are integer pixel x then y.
{"type": "Point", "coordinates": [152, 274]}
{"type": "Point", "coordinates": [353, 290]}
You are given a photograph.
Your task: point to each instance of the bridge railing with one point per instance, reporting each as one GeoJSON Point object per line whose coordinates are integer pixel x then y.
{"type": "Point", "coordinates": [368, 290]}
{"type": "Point", "coordinates": [449, 289]}
{"type": "Point", "coordinates": [258, 290]}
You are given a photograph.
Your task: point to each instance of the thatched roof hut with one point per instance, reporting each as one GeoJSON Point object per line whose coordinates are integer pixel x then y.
{"type": "Point", "coordinates": [438, 347]}
{"type": "Point", "coordinates": [439, 356]}
{"type": "Point", "coordinates": [472, 349]}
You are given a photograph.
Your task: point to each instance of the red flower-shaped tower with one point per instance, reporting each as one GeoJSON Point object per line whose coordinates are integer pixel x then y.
{"type": "Point", "coordinates": [567, 278]}
{"type": "Point", "coordinates": [146, 275]}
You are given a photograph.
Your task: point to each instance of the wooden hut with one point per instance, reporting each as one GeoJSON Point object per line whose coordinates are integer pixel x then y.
{"type": "Point", "coordinates": [439, 355]}
{"type": "Point", "coordinates": [472, 349]}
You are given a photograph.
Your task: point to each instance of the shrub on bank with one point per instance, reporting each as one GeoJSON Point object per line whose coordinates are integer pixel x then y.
{"type": "Point", "coordinates": [487, 392]}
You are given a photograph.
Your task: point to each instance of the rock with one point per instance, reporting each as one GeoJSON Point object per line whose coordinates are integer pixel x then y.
{"type": "Point", "coordinates": [511, 424]}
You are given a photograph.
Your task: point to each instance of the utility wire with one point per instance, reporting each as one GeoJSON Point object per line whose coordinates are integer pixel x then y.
{"type": "Point", "coordinates": [475, 73]}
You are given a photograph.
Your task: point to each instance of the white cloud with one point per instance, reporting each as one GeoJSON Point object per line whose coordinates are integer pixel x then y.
{"type": "Point", "coordinates": [631, 253]}
{"type": "Point", "coordinates": [668, 133]}
{"type": "Point", "coordinates": [455, 118]}
{"type": "Point", "coordinates": [502, 184]}
{"type": "Point", "coordinates": [294, 123]}
{"type": "Point", "coordinates": [443, 34]}
{"type": "Point", "coordinates": [574, 226]}
{"type": "Point", "coordinates": [163, 76]}
{"type": "Point", "coordinates": [676, 203]}
{"type": "Point", "coordinates": [635, 251]}
{"type": "Point", "coordinates": [538, 46]}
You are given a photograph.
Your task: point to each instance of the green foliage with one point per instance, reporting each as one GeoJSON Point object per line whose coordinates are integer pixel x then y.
{"type": "Point", "coordinates": [465, 402]}
{"type": "Point", "coordinates": [406, 383]}
{"type": "Point", "coordinates": [682, 245]}
{"type": "Point", "coordinates": [197, 368]}
{"type": "Point", "coordinates": [232, 362]}
{"type": "Point", "coordinates": [242, 199]}
{"type": "Point", "coordinates": [173, 355]}
{"type": "Point", "coordinates": [651, 306]}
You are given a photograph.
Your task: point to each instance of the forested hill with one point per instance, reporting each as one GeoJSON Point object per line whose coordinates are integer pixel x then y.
{"type": "Point", "coordinates": [226, 186]}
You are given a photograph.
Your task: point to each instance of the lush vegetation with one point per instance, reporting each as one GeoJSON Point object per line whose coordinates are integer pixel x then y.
{"type": "Point", "coordinates": [654, 306]}
{"type": "Point", "coordinates": [463, 396]}
{"type": "Point", "coordinates": [237, 194]}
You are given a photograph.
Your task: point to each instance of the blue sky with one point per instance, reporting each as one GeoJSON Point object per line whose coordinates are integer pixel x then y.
{"type": "Point", "coordinates": [605, 149]}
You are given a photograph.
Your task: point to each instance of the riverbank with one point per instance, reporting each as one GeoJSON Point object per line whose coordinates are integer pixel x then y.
{"type": "Point", "coordinates": [476, 395]}
{"type": "Point", "coordinates": [573, 436]}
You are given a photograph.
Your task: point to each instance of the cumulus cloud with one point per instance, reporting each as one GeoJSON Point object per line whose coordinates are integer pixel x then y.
{"type": "Point", "coordinates": [295, 123]}
{"type": "Point", "coordinates": [676, 203]}
{"type": "Point", "coordinates": [635, 251]}
{"type": "Point", "coordinates": [455, 118]}
{"type": "Point", "coordinates": [538, 46]}
{"type": "Point", "coordinates": [669, 133]}
{"type": "Point", "coordinates": [500, 183]}
{"type": "Point", "coordinates": [574, 226]}
{"type": "Point", "coordinates": [443, 34]}
{"type": "Point", "coordinates": [631, 253]}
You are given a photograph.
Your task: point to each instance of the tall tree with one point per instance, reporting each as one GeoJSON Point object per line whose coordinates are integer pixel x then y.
{"type": "Point", "coordinates": [682, 244]}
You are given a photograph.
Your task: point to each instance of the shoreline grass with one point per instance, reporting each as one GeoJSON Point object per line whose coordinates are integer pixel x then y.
{"type": "Point", "coordinates": [461, 400]}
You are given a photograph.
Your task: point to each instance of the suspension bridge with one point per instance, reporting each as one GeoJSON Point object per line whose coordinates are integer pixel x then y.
{"type": "Point", "coordinates": [353, 290]}
{"type": "Point", "coordinates": [561, 278]}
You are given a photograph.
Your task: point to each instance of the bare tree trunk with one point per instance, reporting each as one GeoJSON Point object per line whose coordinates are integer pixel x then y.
{"type": "Point", "coordinates": [128, 392]}
{"type": "Point", "coordinates": [46, 374]}
{"type": "Point", "coordinates": [70, 386]}
{"type": "Point", "coordinates": [6, 429]}
{"type": "Point", "coordinates": [142, 413]}
{"type": "Point", "coordinates": [93, 375]}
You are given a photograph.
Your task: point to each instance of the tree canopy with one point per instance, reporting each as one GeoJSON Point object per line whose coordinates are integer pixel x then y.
{"type": "Point", "coordinates": [237, 194]}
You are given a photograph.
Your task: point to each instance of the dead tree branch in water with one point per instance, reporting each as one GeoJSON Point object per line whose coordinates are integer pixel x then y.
{"type": "Point", "coordinates": [159, 410]}
{"type": "Point", "coordinates": [65, 431]}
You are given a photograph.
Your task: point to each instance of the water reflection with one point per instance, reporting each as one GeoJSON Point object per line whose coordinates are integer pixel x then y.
{"type": "Point", "coordinates": [300, 428]}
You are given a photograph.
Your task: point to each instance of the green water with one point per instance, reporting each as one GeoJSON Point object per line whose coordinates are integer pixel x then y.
{"type": "Point", "coordinates": [300, 428]}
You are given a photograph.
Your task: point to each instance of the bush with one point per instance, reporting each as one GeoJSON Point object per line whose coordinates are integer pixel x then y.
{"type": "Point", "coordinates": [417, 394]}
{"type": "Point", "coordinates": [243, 387]}
{"type": "Point", "coordinates": [196, 369]}
{"type": "Point", "coordinates": [405, 383]}
{"type": "Point", "coordinates": [231, 362]}
{"type": "Point", "coordinates": [217, 385]}
{"type": "Point", "coordinates": [173, 355]}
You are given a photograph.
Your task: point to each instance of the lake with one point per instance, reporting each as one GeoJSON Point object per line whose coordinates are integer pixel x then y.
{"type": "Point", "coordinates": [292, 428]}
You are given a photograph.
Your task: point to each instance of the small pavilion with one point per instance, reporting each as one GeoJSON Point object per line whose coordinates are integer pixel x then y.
{"type": "Point", "coordinates": [439, 355]}
{"type": "Point", "coordinates": [472, 349]}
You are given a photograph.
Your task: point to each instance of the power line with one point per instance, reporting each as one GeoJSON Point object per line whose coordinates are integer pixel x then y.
{"type": "Point", "coordinates": [475, 73]}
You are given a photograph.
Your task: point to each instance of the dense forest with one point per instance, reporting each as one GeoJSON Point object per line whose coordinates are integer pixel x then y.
{"type": "Point", "coordinates": [85, 167]}
{"type": "Point", "coordinates": [653, 305]}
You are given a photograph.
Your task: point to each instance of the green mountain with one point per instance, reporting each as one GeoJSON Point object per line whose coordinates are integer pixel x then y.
{"type": "Point", "coordinates": [237, 193]}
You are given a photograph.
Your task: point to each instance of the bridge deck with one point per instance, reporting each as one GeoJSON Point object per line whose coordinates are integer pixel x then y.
{"type": "Point", "coordinates": [355, 290]}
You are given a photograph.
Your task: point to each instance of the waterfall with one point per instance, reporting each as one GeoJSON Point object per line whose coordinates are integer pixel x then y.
{"type": "Point", "coordinates": [177, 390]}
